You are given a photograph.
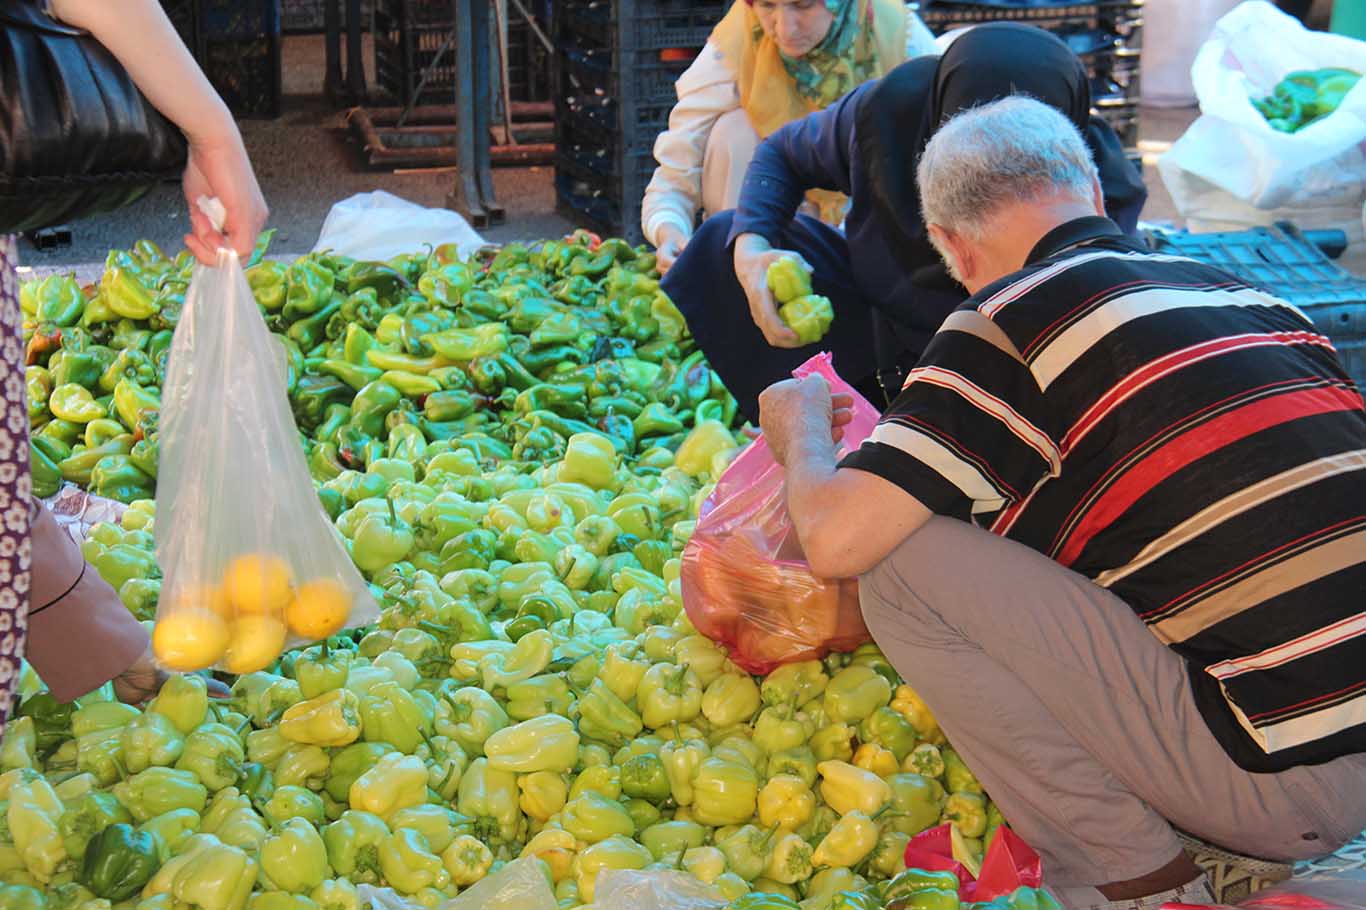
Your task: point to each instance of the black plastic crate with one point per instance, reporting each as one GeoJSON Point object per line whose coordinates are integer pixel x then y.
{"type": "Point", "coordinates": [609, 205]}
{"type": "Point", "coordinates": [641, 25]}
{"type": "Point", "coordinates": [246, 74]}
{"type": "Point", "coordinates": [408, 36]}
{"type": "Point", "coordinates": [632, 78]}
{"type": "Point", "coordinates": [596, 118]}
{"type": "Point", "coordinates": [529, 64]}
{"type": "Point", "coordinates": [234, 19]}
{"type": "Point", "coordinates": [1120, 17]}
{"type": "Point", "coordinates": [1282, 261]}
{"type": "Point", "coordinates": [1123, 116]}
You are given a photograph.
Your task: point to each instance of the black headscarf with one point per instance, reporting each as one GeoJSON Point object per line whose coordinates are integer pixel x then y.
{"type": "Point", "coordinates": [990, 62]}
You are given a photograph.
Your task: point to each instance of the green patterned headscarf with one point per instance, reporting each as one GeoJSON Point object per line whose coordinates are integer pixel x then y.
{"type": "Point", "coordinates": [845, 59]}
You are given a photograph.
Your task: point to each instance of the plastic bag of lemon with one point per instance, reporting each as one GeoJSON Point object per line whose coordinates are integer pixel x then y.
{"type": "Point", "coordinates": [252, 564]}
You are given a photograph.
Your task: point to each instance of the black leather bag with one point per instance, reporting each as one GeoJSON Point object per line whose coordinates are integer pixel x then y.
{"type": "Point", "coordinates": [77, 138]}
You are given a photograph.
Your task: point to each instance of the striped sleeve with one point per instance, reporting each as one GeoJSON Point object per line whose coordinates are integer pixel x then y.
{"type": "Point", "coordinates": [969, 434]}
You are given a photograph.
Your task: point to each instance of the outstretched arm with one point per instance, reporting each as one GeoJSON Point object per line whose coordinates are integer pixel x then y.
{"type": "Point", "coordinates": [138, 33]}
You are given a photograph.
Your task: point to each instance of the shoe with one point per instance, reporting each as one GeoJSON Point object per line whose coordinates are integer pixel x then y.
{"type": "Point", "coordinates": [1233, 877]}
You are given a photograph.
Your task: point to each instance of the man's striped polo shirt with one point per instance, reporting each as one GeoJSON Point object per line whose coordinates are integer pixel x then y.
{"type": "Point", "coordinates": [1187, 442]}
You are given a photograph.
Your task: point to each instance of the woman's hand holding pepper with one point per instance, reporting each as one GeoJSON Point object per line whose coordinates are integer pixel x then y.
{"type": "Point", "coordinates": [753, 256]}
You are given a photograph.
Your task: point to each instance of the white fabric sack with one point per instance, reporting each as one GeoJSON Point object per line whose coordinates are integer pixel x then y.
{"type": "Point", "coordinates": [1173, 31]}
{"type": "Point", "coordinates": [1231, 159]}
{"type": "Point", "coordinates": [378, 226]}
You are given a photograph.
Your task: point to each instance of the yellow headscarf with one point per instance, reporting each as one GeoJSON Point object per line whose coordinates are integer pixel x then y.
{"type": "Point", "coordinates": [866, 40]}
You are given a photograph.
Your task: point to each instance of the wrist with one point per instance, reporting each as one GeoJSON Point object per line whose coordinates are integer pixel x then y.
{"type": "Point", "coordinates": [751, 245]}
{"type": "Point", "coordinates": [214, 130]}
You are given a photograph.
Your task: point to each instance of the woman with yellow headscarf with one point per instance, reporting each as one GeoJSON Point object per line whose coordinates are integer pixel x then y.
{"type": "Point", "coordinates": [767, 63]}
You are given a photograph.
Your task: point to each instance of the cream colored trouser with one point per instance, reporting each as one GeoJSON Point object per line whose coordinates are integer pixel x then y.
{"type": "Point", "coordinates": [730, 146]}
{"type": "Point", "coordinates": [1077, 720]}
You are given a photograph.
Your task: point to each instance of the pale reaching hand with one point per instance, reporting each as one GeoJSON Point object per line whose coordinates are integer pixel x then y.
{"type": "Point", "coordinates": [753, 256]}
{"type": "Point", "coordinates": [143, 680]}
{"type": "Point", "coordinates": [671, 244]}
{"type": "Point", "coordinates": [221, 169]}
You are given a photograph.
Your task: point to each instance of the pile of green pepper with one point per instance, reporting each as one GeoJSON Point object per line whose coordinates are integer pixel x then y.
{"type": "Point", "coordinates": [1304, 97]}
{"type": "Point", "coordinates": [514, 449]}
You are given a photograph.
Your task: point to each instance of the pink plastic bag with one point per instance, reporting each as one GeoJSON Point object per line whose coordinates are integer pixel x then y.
{"type": "Point", "coordinates": [746, 584]}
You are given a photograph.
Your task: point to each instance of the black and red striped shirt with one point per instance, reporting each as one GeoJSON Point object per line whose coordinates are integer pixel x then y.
{"type": "Point", "coordinates": [1189, 443]}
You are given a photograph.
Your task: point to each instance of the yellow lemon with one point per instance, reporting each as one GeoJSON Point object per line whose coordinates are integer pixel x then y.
{"type": "Point", "coordinates": [200, 597]}
{"type": "Point", "coordinates": [320, 609]}
{"type": "Point", "coordinates": [257, 640]}
{"type": "Point", "coordinates": [188, 640]}
{"type": "Point", "coordinates": [257, 583]}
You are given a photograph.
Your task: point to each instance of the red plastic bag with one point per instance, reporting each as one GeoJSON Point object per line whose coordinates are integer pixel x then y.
{"type": "Point", "coordinates": [1009, 864]}
{"type": "Point", "coordinates": [746, 584]}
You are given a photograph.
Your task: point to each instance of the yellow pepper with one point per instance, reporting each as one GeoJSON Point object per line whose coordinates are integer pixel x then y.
{"type": "Point", "coordinates": [557, 849]}
{"type": "Point", "coordinates": [874, 758]}
{"type": "Point", "coordinates": [543, 793]}
{"type": "Point", "coordinates": [853, 837]}
{"type": "Point", "coordinates": [331, 719]}
{"type": "Point", "coordinates": [394, 782]}
{"type": "Point", "coordinates": [910, 706]}
{"type": "Point", "coordinates": [846, 788]}
{"type": "Point", "coordinates": [785, 802]}
{"type": "Point", "coordinates": [694, 456]}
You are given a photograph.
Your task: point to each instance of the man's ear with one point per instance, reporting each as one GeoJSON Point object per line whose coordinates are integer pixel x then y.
{"type": "Point", "coordinates": [961, 262]}
{"type": "Point", "coordinates": [1097, 195]}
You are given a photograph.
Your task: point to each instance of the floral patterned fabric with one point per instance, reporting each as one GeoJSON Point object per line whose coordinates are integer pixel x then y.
{"type": "Point", "coordinates": [14, 481]}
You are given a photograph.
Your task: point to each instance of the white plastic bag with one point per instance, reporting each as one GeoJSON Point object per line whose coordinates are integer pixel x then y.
{"type": "Point", "coordinates": [379, 226]}
{"type": "Point", "coordinates": [1231, 159]}
{"type": "Point", "coordinates": [234, 496]}
{"type": "Point", "coordinates": [629, 889]}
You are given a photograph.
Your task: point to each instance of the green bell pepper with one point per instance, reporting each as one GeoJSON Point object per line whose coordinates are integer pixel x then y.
{"type": "Point", "coordinates": [157, 791]}
{"type": "Point", "coordinates": [353, 843]}
{"type": "Point", "coordinates": [118, 861]}
{"type": "Point", "coordinates": [294, 858]}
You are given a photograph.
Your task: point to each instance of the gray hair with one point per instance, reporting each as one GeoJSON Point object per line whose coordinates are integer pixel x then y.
{"type": "Point", "coordinates": [1009, 151]}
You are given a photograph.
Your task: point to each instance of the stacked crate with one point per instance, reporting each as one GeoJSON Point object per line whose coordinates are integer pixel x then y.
{"type": "Point", "coordinates": [237, 44]}
{"type": "Point", "coordinates": [1106, 35]}
{"type": "Point", "coordinates": [615, 69]}
{"type": "Point", "coordinates": [410, 34]}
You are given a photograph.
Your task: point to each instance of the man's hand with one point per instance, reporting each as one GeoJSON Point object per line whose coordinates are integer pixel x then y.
{"type": "Point", "coordinates": [671, 244]}
{"type": "Point", "coordinates": [144, 679]}
{"type": "Point", "coordinates": [795, 409]}
{"type": "Point", "coordinates": [753, 256]}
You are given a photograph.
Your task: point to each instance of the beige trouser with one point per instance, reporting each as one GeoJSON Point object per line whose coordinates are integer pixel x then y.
{"type": "Point", "coordinates": [730, 146]}
{"type": "Point", "coordinates": [1078, 721]}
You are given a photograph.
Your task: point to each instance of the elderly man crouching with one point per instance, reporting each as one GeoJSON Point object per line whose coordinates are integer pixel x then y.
{"type": "Point", "coordinates": [1113, 530]}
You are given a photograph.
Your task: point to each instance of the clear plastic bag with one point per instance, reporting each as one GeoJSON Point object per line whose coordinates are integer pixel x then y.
{"type": "Point", "coordinates": [746, 584]}
{"type": "Point", "coordinates": [250, 561]}
{"type": "Point", "coordinates": [520, 885]}
{"type": "Point", "coordinates": [631, 889]}
{"type": "Point", "coordinates": [1341, 890]}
